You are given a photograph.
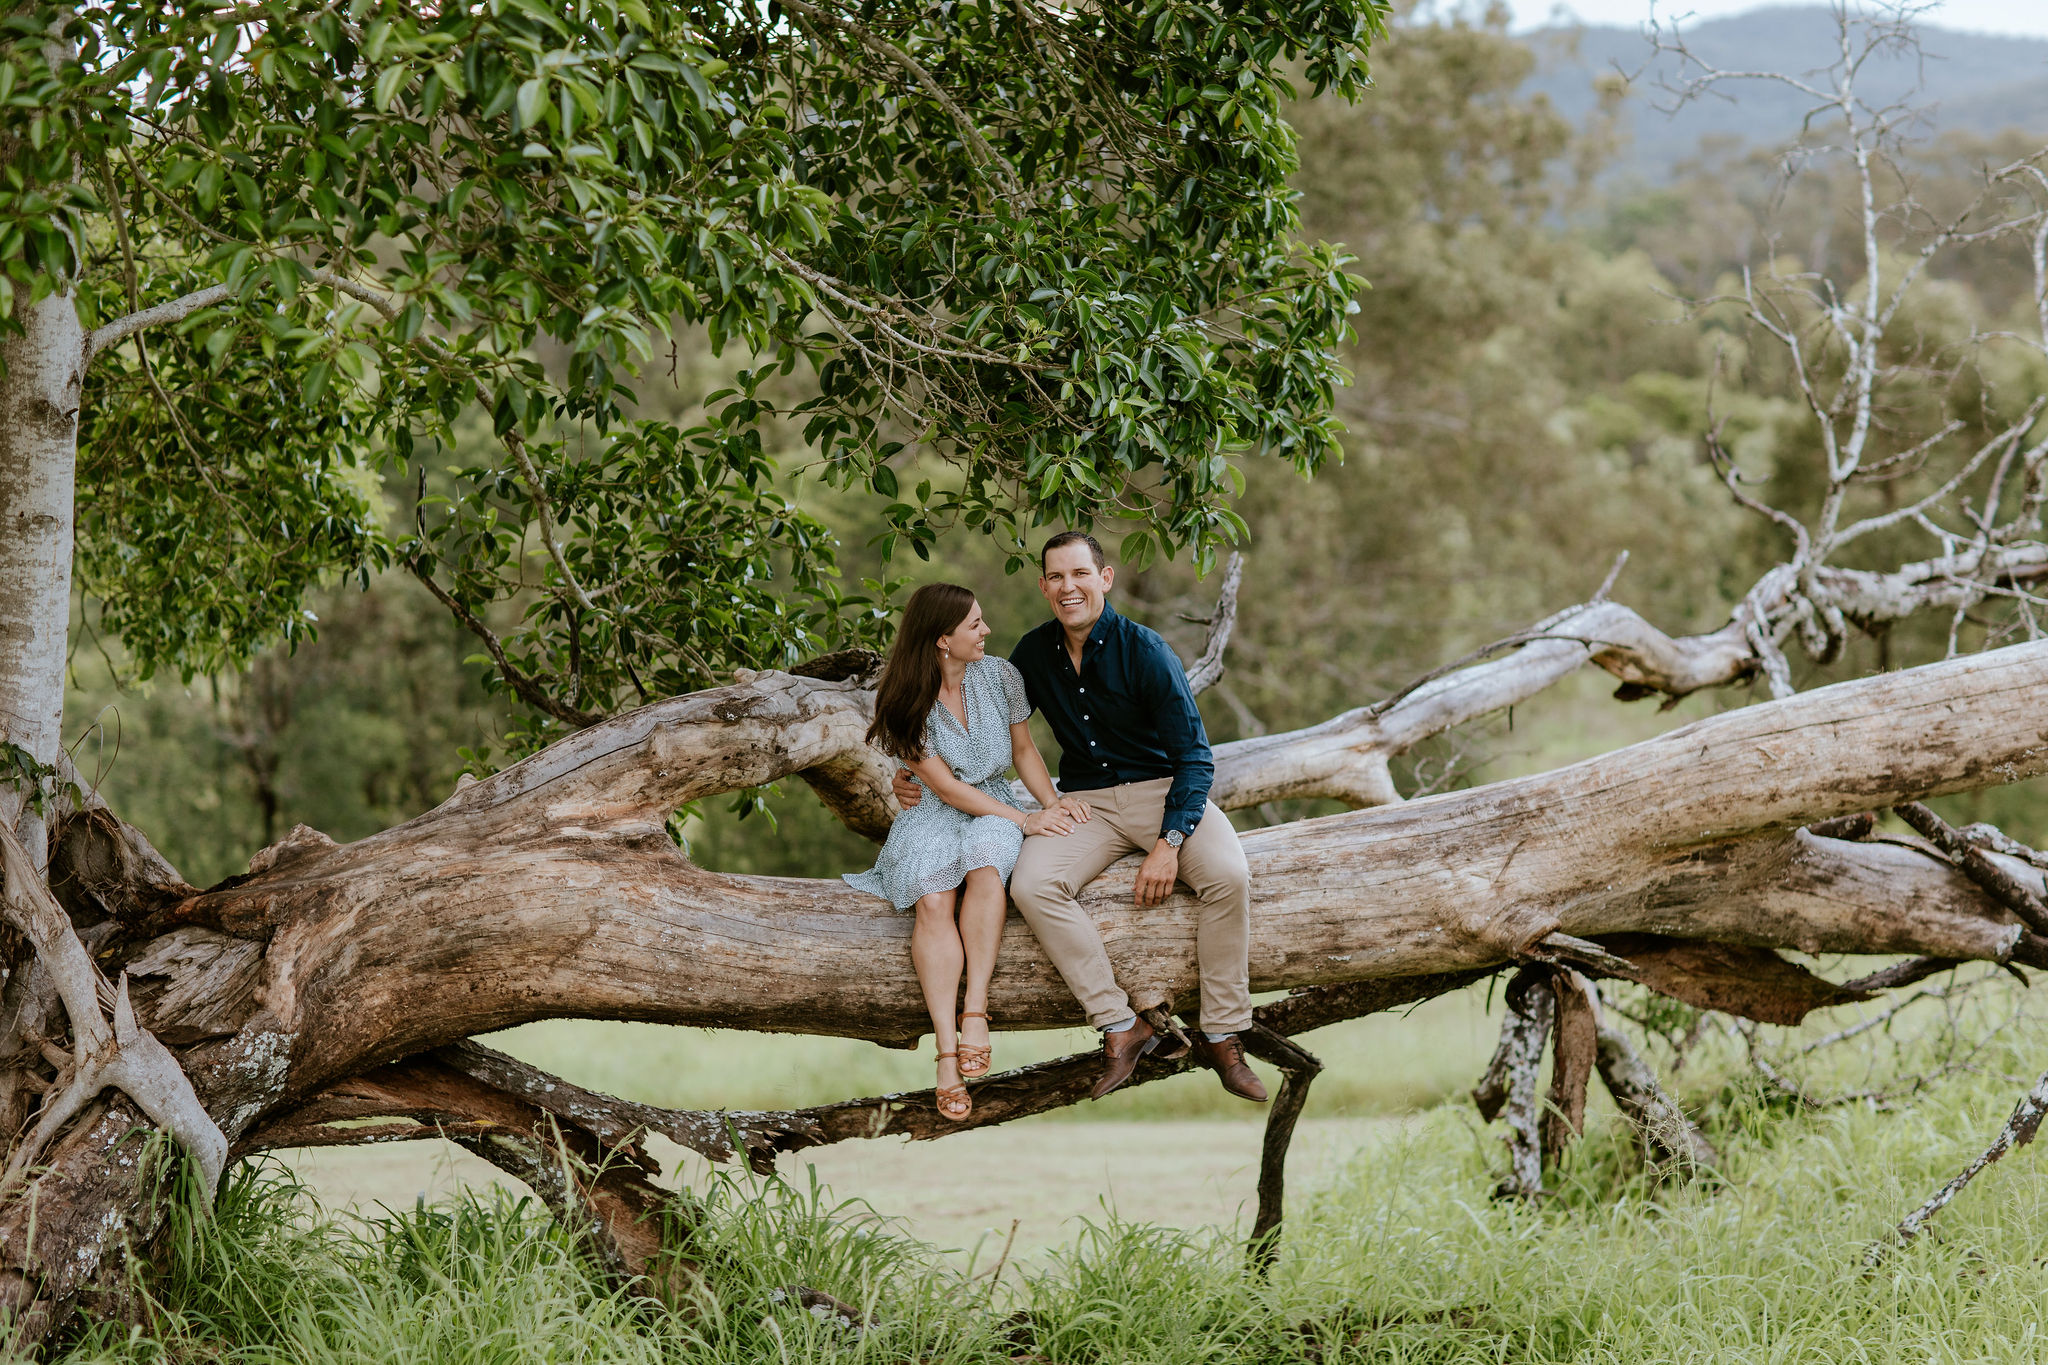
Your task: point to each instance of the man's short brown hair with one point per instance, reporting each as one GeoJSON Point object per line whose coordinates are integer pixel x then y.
{"type": "Point", "coordinates": [1072, 538]}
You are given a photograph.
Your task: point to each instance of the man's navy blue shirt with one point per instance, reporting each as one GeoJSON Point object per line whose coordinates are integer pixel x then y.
{"type": "Point", "coordinates": [1126, 716]}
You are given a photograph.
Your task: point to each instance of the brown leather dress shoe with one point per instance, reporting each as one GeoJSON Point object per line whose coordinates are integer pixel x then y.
{"type": "Point", "coordinates": [1120, 1053]}
{"type": "Point", "coordinates": [1227, 1060]}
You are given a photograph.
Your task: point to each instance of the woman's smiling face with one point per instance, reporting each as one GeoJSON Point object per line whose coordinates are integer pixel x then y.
{"type": "Point", "coordinates": [966, 643]}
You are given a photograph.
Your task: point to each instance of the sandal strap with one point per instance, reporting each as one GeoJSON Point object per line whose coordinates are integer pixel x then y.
{"type": "Point", "coordinates": [974, 1014]}
{"type": "Point", "coordinates": [943, 1055]}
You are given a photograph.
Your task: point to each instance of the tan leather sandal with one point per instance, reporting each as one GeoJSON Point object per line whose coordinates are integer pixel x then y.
{"type": "Point", "coordinates": [975, 1058]}
{"type": "Point", "coordinates": [955, 1104]}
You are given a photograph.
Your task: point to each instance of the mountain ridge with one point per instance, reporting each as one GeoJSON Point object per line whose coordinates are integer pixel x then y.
{"type": "Point", "coordinates": [1973, 82]}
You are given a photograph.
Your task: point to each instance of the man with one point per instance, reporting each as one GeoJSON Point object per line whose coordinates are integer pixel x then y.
{"type": "Point", "coordinates": [1132, 745]}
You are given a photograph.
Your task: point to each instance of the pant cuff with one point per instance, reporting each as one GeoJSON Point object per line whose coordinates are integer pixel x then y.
{"type": "Point", "coordinates": [1114, 1014]}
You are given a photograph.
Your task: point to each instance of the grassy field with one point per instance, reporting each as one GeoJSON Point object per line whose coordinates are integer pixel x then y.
{"type": "Point", "coordinates": [1393, 1253]}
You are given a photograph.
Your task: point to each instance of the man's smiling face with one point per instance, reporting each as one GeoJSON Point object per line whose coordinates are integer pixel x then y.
{"type": "Point", "coordinates": [1074, 586]}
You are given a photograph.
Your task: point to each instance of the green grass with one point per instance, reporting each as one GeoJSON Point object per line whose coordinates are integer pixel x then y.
{"type": "Point", "coordinates": [1403, 1257]}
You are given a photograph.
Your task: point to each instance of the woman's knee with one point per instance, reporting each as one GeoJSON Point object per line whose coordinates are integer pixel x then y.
{"type": "Point", "coordinates": [937, 908]}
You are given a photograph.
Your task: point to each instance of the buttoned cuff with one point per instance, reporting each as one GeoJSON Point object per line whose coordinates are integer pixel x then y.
{"type": "Point", "coordinates": [1183, 821]}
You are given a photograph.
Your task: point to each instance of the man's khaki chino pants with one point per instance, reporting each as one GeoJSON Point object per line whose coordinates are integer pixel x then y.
{"type": "Point", "coordinates": [1053, 868]}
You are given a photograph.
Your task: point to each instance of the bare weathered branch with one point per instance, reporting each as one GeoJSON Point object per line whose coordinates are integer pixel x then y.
{"type": "Point", "coordinates": [117, 1053]}
{"type": "Point", "coordinates": [1913, 969]}
{"type": "Point", "coordinates": [1298, 1070]}
{"type": "Point", "coordinates": [1206, 671]}
{"type": "Point", "coordinates": [2004, 887]}
{"type": "Point", "coordinates": [120, 329]}
{"type": "Point", "coordinates": [2019, 1130]}
{"type": "Point", "coordinates": [1531, 1008]}
{"type": "Point", "coordinates": [1668, 1134]}
{"type": "Point", "coordinates": [597, 1183]}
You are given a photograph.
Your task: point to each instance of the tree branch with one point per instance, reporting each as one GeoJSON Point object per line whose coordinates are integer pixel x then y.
{"type": "Point", "coordinates": [117, 1053]}
{"type": "Point", "coordinates": [1205, 672]}
{"type": "Point", "coordinates": [176, 310]}
{"type": "Point", "coordinates": [526, 688]}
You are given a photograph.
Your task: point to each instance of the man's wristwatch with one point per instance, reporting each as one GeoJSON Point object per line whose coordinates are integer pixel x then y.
{"type": "Point", "coordinates": [1174, 838]}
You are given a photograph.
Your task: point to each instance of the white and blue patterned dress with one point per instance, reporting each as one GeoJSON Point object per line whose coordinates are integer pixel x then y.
{"type": "Point", "coordinates": [933, 846]}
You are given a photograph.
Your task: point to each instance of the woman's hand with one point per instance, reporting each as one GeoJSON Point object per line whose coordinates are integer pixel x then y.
{"type": "Point", "coordinates": [1054, 821]}
{"type": "Point", "coordinates": [1075, 807]}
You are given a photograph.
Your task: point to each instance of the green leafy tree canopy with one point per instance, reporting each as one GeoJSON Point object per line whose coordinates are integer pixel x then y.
{"type": "Point", "coordinates": [1051, 245]}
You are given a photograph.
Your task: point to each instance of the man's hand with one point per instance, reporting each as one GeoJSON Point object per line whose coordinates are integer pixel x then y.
{"type": "Point", "coordinates": [908, 792]}
{"type": "Point", "coordinates": [1156, 877]}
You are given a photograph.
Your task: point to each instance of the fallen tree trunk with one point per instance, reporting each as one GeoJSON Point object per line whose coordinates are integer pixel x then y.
{"type": "Point", "coordinates": [551, 890]}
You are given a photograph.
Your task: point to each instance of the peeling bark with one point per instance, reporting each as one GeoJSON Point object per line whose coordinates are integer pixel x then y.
{"type": "Point", "coordinates": [1574, 1040]}
{"type": "Point", "coordinates": [2019, 1130]}
{"type": "Point", "coordinates": [1509, 1088]}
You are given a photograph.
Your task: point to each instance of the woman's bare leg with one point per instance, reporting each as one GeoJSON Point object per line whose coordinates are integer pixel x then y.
{"type": "Point", "coordinates": [936, 954]}
{"type": "Point", "coordinates": [982, 908]}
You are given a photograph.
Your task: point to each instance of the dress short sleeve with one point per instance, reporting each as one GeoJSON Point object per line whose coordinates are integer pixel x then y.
{"type": "Point", "coordinates": [1013, 692]}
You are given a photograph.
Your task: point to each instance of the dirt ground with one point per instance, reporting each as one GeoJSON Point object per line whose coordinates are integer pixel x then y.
{"type": "Point", "coordinates": [960, 1193]}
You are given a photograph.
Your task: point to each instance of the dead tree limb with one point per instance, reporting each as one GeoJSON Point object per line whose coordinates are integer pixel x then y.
{"type": "Point", "coordinates": [2003, 886]}
{"type": "Point", "coordinates": [1206, 671]}
{"type": "Point", "coordinates": [106, 1052]}
{"type": "Point", "coordinates": [2019, 1130]}
{"type": "Point", "coordinates": [1510, 1087]}
{"type": "Point", "coordinates": [1669, 1137]}
{"type": "Point", "coordinates": [1298, 1069]}
{"type": "Point", "coordinates": [580, 1149]}
{"type": "Point", "coordinates": [561, 861]}
{"type": "Point", "coordinates": [1907, 973]}
{"type": "Point", "coordinates": [591, 1174]}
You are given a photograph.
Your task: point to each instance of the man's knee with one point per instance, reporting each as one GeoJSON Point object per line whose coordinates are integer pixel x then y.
{"type": "Point", "coordinates": [1228, 881]}
{"type": "Point", "coordinates": [1218, 872]}
{"type": "Point", "coordinates": [1033, 890]}
{"type": "Point", "coordinates": [1038, 890]}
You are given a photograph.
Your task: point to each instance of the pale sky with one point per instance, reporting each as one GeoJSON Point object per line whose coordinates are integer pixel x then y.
{"type": "Point", "coordinates": [1982, 16]}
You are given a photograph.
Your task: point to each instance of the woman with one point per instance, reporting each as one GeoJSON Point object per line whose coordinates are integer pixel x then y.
{"type": "Point", "coordinates": [956, 719]}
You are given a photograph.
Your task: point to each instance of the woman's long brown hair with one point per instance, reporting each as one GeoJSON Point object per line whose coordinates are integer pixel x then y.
{"type": "Point", "coordinates": [910, 680]}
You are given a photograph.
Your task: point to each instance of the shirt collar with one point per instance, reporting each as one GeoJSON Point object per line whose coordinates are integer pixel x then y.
{"type": "Point", "coordinates": [1103, 624]}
